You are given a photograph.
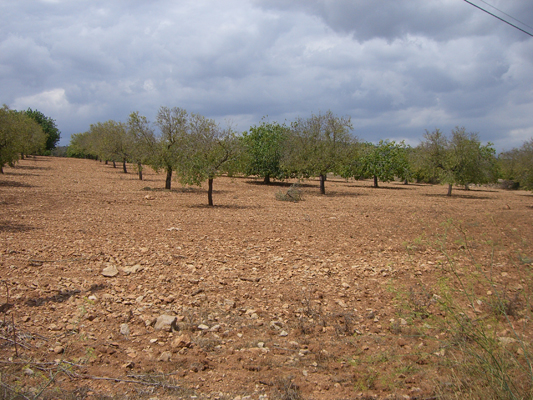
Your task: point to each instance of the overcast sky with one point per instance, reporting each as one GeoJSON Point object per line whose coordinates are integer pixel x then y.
{"type": "Point", "coordinates": [395, 67]}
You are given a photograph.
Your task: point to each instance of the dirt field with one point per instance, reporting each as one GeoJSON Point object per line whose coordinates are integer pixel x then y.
{"type": "Point", "coordinates": [326, 298]}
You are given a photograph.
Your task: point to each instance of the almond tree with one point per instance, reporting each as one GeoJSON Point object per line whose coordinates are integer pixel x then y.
{"type": "Point", "coordinates": [385, 161]}
{"type": "Point", "coordinates": [19, 136]}
{"type": "Point", "coordinates": [318, 145]}
{"type": "Point", "coordinates": [142, 141]}
{"type": "Point", "coordinates": [208, 152]}
{"type": "Point", "coordinates": [173, 124]}
{"type": "Point", "coordinates": [264, 145]}
{"type": "Point", "coordinates": [517, 165]}
{"type": "Point", "coordinates": [460, 159]}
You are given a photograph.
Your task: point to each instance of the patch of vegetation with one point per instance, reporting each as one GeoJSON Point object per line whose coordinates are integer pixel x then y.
{"type": "Point", "coordinates": [294, 194]}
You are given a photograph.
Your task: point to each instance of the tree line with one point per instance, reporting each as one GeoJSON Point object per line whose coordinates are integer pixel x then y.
{"type": "Point", "coordinates": [25, 133]}
{"type": "Point", "coordinates": [195, 149]}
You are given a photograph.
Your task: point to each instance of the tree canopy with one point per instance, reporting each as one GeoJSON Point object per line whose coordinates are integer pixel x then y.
{"type": "Point", "coordinates": [48, 126]}
{"type": "Point", "coordinates": [460, 159]}
{"type": "Point", "coordinates": [264, 146]}
{"type": "Point", "coordinates": [318, 145]}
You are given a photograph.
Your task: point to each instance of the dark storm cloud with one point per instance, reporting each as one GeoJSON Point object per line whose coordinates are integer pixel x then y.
{"type": "Point", "coordinates": [397, 68]}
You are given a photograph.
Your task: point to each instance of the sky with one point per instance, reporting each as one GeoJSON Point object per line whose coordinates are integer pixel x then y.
{"type": "Point", "coordinates": [397, 68]}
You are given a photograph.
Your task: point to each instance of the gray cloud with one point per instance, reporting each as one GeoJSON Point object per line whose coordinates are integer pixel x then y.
{"type": "Point", "coordinates": [397, 68]}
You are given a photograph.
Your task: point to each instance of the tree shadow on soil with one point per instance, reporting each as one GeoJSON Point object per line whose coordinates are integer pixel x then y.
{"type": "Point", "coordinates": [279, 184]}
{"type": "Point", "coordinates": [61, 296]}
{"type": "Point", "coordinates": [459, 196]}
{"type": "Point", "coordinates": [14, 184]}
{"type": "Point", "coordinates": [224, 207]}
{"type": "Point", "coordinates": [13, 228]}
{"type": "Point", "coordinates": [403, 187]}
{"type": "Point", "coordinates": [31, 167]}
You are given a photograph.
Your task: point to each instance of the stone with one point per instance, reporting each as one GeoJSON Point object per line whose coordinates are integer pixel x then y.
{"type": "Point", "coordinates": [166, 323]}
{"type": "Point", "coordinates": [124, 329]}
{"type": "Point", "coordinates": [59, 349]}
{"type": "Point", "coordinates": [165, 356]}
{"type": "Point", "coordinates": [181, 342]}
{"type": "Point", "coordinates": [110, 271]}
{"type": "Point", "coordinates": [283, 333]}
{"type": "Point", "coordinates": [203, 327]}
{"type": "Point", "coordinates": [133, 269]}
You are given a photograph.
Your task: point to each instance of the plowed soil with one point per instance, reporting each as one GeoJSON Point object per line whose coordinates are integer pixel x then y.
{"type": "Point", "coordinates": [324, 298]}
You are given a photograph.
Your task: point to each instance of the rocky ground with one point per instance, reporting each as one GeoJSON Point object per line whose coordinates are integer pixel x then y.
{"type": "Point", "coordinates": [112, 286]}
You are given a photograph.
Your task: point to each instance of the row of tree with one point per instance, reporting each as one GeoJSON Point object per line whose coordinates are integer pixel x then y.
{"type": "Point", "coordinates": [197, 149]}
{"type": "Point", "coordinates": [23, 133]}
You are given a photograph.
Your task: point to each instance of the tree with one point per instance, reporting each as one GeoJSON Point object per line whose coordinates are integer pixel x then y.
{"type": "Point", "coordinates": [517, 165]}
{"type": "Point", "coordinates": [173, 123]}
{"type": "Point", "coordinates": [208, 151]}
{"type": "Point", "coordinates": [19, 135]}
{"type": "Point", "coordinates": [32, 139]}
{"type": "Point", "coordinates": [318, 145]}
{"type": "Point", "coordinates": [142, 141]}
{"type": "Point", "coordinates": [264, 146]}
{"type": "Point", "coordinates": [81, 146]}
{"type": "Point", "coordinates": [384, 161]}
{"type": "Point", "coordinates": [460, 159]}
{"type": "Point", "coordinates": [48, 126]}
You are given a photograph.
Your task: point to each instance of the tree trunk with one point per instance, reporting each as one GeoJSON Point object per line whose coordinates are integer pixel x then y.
{"type": "Point", "coordinates": [267, 180]}
{"type": "Point", "coordinates": [210, 192]}
{"type": "Point", "coordinates": [140, 168]}
{"type": "Point", "coordinates": [376, 181]}
{"type": "Point", "coordinates": [105, 162]}
{"type": "Point", "coordinates": [322, 184]}
{"type": "Point", "coordinates": [22, 156]}
{"type": "Point", "coordinates": [467, 187]}
{"type": "Point", "coordinates": [1, 169]}
{"type": "Point", "coordinates": [124, 166]}
{"type": "Point", "coordinates": [114, 164]}
{"type": "Point", "coordinates": [169, 178]}
{"type": "Point", "coordinates": [406, 182]}
{"type": "Point", "coordinates": [449, 189]}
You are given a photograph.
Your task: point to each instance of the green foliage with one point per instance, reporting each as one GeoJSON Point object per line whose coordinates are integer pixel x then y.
{"type": "Point", "coordinates": [460, 159]}
{"type": "Point", "coordinates": [19, 135]}
{"type": "Point", "coordinates": [207, 152]}
{"type": "Point", "coordinates": [318, 145]}
{"type": "Point", "coordinates": [264, 145]}
{"type": "Point", "coordinates": [384, 161]}
{"type": "Point", "coordinates": [48, 126]}
{"type": "Point", "coordinates": [294, 194]}
{"type": "Point", "coordinates": [517, 165]}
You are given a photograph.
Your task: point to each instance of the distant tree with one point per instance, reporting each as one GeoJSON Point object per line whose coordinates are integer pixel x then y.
{"type": "Point", "coordinates": [32, 137]}
{"type": "Point", "coordinates": [318, 145]}
{"type": "Point", "coordinates": [81, 146]}
{"type": "Point", "coordinates": [208, 151]}
{"type": "Point", "coordinates": [48, 126]}
{"type": "Point", "coordinates": [460, 159]}
{"type": "Point", "coordinates": [385, 161]}
{"type": "Point", "coordinates": [264, 145]}
{"type": "Point", "coordinates": [517, 165]}
{"type": "Point", "coordinates": [117, 143]}
{"type": "Point", "coordinates": [143, 143]}
{"type": "Point", "coordinates": [173, 124]}
{"type": "Point", "coordinates": [19, 136]}
{"type": "Point", "coordinates": [9, 140]}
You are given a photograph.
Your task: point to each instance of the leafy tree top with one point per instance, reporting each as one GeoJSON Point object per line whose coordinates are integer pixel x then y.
{"type": "Point", "coordinates": [48, 126]}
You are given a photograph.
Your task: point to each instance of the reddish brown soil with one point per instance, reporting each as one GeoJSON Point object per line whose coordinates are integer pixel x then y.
{"type": "Point", "coordinates": [300, 299]}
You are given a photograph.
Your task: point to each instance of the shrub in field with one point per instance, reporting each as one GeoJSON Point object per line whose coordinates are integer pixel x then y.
{"type": "Point", "coordinates": [294, 194]}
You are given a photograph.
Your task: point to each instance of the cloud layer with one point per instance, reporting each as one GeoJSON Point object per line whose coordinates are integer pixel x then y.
{"type": "Point", "coordinates": [397, 68]}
